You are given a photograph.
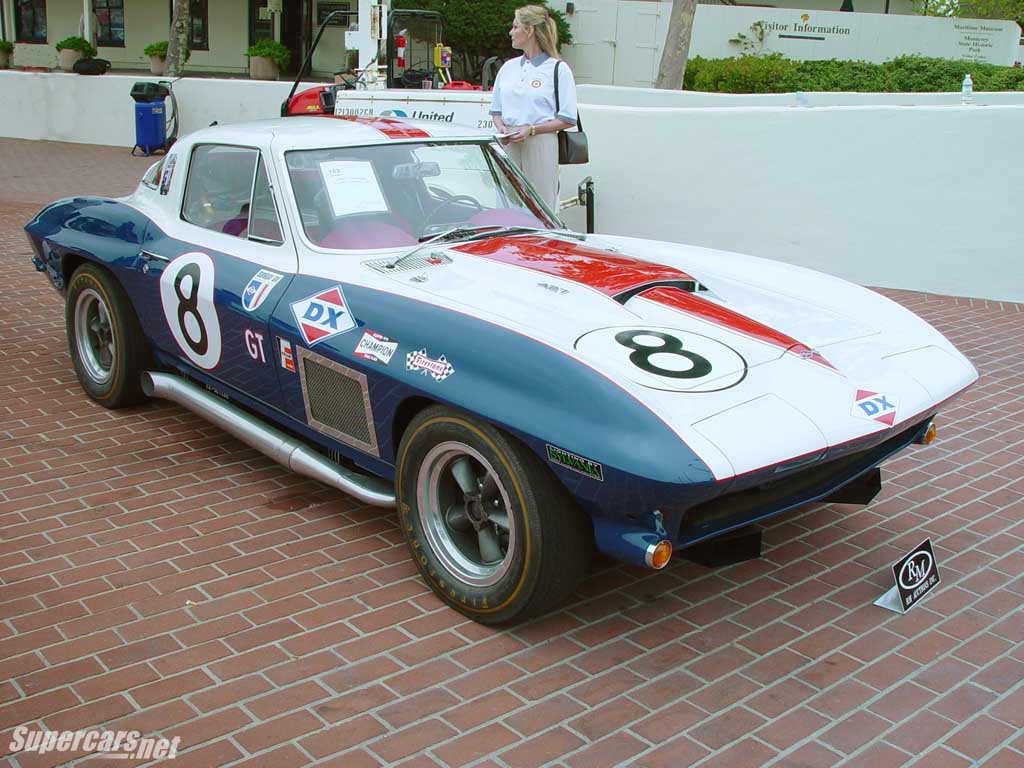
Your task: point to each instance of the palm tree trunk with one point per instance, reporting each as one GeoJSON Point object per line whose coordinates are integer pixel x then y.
{"type": "Point", "coordinates": [677, 45]}
{"type": "Point", "coordinates": [177, 41]}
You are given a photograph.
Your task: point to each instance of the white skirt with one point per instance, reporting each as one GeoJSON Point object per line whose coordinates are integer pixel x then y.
{"type": "Point", "coordinates": [537, 158]}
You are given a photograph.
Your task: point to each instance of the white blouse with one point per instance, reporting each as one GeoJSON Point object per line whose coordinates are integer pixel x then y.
{"type": "Point", "coordinates": [524, 91]}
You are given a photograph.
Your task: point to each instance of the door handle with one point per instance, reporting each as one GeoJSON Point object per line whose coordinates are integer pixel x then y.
{"type": "Point", "coordinates": [150, 256]}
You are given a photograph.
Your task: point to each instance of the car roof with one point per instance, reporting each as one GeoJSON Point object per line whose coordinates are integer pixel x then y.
{"type": "Point", "coordinates": [310, 132]}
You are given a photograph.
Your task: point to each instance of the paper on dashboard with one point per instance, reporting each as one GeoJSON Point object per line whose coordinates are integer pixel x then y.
{"type": "Point", "coordinates": [352, 187]}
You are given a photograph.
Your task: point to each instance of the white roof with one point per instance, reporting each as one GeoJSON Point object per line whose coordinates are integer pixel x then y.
{"type": "Point", "coordinates": [309, 132]}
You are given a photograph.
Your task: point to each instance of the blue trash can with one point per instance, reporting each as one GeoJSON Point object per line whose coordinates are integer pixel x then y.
{"type": "Point", "coordinates": [150, 126]}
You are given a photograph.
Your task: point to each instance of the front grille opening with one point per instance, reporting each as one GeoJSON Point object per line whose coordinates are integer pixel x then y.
{"type": "Point", "coordinates": [791, 491]}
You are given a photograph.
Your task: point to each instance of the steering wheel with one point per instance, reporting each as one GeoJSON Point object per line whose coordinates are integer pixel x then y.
{"type": "Point", "coordinates": [446, 203]}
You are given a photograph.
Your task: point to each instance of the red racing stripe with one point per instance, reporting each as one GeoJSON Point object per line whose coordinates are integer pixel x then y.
{"type": "Point", "coordinates": [393, 129]}
{"type": "Point", "coordinates": [609, 273]}
{"type": "Point", "coordinates": [697, 306]}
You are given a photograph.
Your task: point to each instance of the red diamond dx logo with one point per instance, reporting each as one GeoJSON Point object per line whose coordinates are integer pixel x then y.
{"type": "Point", "coordinates": [875, 406]}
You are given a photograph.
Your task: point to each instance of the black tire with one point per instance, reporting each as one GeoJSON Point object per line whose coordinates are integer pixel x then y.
{"type": "Point", "coordinates": [106, 342]}
{"type": "Point", "coordinates": [513, 546]}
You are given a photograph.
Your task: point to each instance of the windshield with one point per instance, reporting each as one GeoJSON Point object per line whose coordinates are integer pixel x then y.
{"type": "Point", "coordinates": [392, 196]}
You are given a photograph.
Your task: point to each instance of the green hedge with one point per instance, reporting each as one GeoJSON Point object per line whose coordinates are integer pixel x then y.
{"type": "Point", "coordinates": [906, 74]}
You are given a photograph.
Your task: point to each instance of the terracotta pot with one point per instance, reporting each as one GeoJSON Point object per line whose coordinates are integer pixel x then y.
{"type": "Point", "coordinates": [68, 58]}
{"type": "Point", "coordinates": [262, 68]}
{"type": "Point", "coordinates": [157, 65]}
{"type": "Point", "coordinates": [5, 59]}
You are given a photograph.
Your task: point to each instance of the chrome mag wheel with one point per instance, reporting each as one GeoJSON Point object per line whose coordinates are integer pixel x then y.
{"type": "Point", "coordinates": [94, 336]}
{"type": "Point", "coordinates": [464, 513]}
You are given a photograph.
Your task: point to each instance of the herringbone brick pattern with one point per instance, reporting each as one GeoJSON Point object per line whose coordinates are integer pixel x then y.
{"type": "Point", "coordinates": [157, 575]}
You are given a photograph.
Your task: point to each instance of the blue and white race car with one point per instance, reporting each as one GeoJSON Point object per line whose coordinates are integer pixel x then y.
{"type": "Point", "coordinates": [387, 306]}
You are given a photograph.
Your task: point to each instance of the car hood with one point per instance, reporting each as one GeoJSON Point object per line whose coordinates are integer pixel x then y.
{"type": "Point", "coordinates": [750, 361]}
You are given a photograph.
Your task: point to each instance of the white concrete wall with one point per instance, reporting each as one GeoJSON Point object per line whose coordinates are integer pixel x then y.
{"type": "Point", "coordinates": [916, 197]}
{"type": "Point", "coordinates": [612, 95]}
{"type": "Point", "coordinates": [99, 110]}
{"type": "Point", "coordinates": [923, 198]}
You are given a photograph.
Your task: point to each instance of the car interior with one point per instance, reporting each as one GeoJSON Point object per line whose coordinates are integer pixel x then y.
{"type": "Point", "coordinates": [357, 198]}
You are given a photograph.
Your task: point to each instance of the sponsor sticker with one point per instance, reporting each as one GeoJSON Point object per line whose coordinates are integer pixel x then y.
{"type": "Point", "coordinates": [574, 462]}
{"type": "Point", "coordinates": [323, 315]}
{"type": "Point", "coordinates": [375, 347]}
{"type": "Point", "coordinates": [167, 174]}
{"type": "Point", "coordinates": [258, 289]}
{"type": "Point", "coordinates": [287, 358]}
{"type": "Point", "coordinates": [439, 368]}
{"type": "Point", "coordinates": [875, 406]}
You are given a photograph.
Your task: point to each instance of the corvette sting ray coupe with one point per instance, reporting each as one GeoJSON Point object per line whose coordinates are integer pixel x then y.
{"type": "Point", "coordinates": [386, 306]}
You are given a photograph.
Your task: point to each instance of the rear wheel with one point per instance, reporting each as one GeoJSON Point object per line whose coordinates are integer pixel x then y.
{"type": "Point", "coordinates": [107, 346]}
{"type": "Point", "coordinates": [492, 531]}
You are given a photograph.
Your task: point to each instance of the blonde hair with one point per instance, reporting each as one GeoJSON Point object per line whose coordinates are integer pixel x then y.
{"type": "Point", "coordinates": [544, 27]}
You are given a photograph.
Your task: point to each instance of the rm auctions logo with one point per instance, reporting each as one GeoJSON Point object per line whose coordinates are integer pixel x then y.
{"type": "Point", "coordinates": [120, 745]}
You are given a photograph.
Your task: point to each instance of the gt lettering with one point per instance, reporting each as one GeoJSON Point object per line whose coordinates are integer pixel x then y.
{"type": "Point", "coordinates": [671, 345]}
{"type": "Point", "coordinates": [254, 343]}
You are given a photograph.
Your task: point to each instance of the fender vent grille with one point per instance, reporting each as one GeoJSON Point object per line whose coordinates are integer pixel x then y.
{"type": "Point", "coordinates": [337, 401]}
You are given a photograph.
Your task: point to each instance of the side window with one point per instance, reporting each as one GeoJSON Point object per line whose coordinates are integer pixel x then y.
{"type": "Point", "coordinates": [264, 224]}
{"type": "Point", "coordinates": [152, 177]}
{"type": "Point", "coordinates": [219, 189]}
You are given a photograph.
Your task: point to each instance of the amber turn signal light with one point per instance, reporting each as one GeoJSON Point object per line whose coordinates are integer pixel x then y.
{"type": "Point", "coordinates": [929, 434]}
{"type": "Point", "coordinates": [659, 554]}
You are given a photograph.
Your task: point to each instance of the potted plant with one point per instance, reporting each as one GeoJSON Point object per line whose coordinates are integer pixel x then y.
{"type": "Point", "coordinates": [6, 52]}
{"type": "Point", "coordinates": [71, 49]}
{"type": "Point", "coordinates": [157, 53]}
{"type": "Point", "coordinates": [266, 59]}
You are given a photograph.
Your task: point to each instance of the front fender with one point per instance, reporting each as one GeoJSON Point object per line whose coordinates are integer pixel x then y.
{"type": "Point", "coordinates": [544, 395]}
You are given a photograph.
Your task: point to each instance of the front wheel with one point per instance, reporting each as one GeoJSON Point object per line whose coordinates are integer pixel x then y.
{"type": "Point", "coordinates": [491, 530]}
{"type": "Point", "coordinates": [107, 347]}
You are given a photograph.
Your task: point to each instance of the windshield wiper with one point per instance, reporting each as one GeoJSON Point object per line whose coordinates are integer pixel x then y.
{"type": "Point", "coordinates": [481, 233]}
{"type": "Point", "coordinates": [455, 233]}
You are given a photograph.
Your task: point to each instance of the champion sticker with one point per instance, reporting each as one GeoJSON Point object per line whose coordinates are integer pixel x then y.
{"type": "Point", "coordinates": [375, 347]}
{"type": "Point", "coordinates": [575, 463]}
{"type": "Point", "coordinates": [287, 358]}
{"type": "Point", "coordinates": [258, 289]}
{"type": "Point", "coordinates": [440, 369]}
{"type": "Point", "coordinates": [323, 315]}
{"type": "Point", "coordinates": [875, 406]}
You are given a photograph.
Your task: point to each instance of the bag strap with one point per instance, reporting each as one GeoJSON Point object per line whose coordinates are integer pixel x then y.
{"type": "Point", "coordinates": [579, 120]}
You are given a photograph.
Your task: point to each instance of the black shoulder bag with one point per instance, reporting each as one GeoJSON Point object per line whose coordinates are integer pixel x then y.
{"type": "Point", "coordinates": [572, 145]}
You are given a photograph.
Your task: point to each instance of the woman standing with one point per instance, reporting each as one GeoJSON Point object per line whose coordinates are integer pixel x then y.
{"type": "Point", "coordinates": [523, 104]}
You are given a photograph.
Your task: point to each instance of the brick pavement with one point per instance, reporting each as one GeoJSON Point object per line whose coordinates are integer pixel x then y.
{"type": "Point", "coordinates": [157, 575]}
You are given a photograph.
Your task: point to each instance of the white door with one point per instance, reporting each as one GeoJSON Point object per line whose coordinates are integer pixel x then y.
{"type": "Point", "coordinates": [592, 54]}
{"type": "Point", "coordinates": [641, 30]}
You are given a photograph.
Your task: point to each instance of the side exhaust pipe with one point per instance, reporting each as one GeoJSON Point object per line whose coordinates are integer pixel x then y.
{"type": "Point", "coordinates": [283, 449]}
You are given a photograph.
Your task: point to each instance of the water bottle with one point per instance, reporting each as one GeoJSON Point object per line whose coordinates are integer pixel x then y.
{"type": "Point", "coordinates": [801, 99]}
{"type": "Point", "coordinates": [967, 90]}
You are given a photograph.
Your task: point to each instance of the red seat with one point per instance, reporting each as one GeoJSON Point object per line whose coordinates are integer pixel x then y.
{"type": "Point", "coordinates": [361, 235]}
